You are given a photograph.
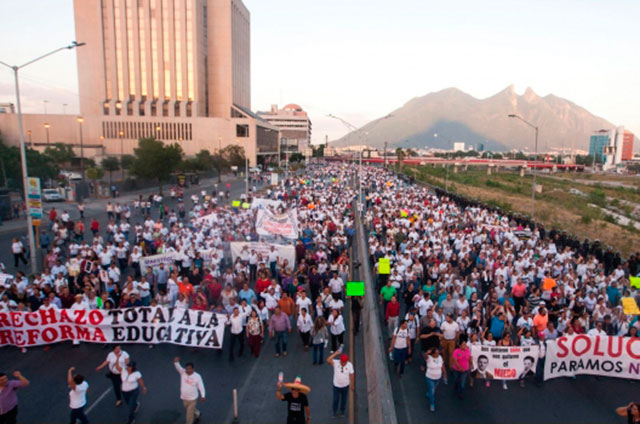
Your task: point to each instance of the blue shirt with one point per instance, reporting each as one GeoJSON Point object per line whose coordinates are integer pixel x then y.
{"type": "Point", "coordinates": [247, 295]}
{"type": "Point", "coordinates": [497, 327]}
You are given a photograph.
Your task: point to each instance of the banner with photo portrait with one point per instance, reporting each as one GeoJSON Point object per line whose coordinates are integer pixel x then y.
{"type": "Point", "coordinates": [272, 224]}
{"type": "Point", "coordinates": [608, 356]}
{"type": "Point", "coordinates": [504, 362]}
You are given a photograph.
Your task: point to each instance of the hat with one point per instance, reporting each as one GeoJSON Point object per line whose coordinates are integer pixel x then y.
{"type": "Point", "coordinates": [344, 357]}
{"type": "Point", "coordinates": [543, 303]}
{"type": "Point", "coordinates": [300, 288]}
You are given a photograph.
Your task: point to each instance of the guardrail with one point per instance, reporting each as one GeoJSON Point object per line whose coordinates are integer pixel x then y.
{"type": "Point", "coordinates": [379, 394]}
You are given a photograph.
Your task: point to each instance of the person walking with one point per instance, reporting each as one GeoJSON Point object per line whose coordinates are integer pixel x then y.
{"type": "Point", "coordinates": [435, 371]}
{"type": "Point", "coordinates": [304, 325]}
{"type": "Point", "coordinates": [336, 327]}
{"type": "Point", "coordinates": [461, 364]}
{"type": "Point", "coordinates": [190, 384]}
{"type": "Point", "coordinates": [236, 326]}
{"type": "Point", "coordinates": [117, 354]}
{"type": "Point", "coordinates": [255, 332]}
{"type": "Point", "coordinates": [77, 396]}
{"type": "Point", "coordinates": [17, 248]}
{"type": "Point", "coordinates": [279, 325]}
{"type": "Point", "coordinates": [297, 404]}
{"type": "Point", "coordinates": [631, 411]}
{"type": "Point", "coordinates": [131, 383]}
{"type": "Point", "coordinates": [400, 346]}
{"type": "Point", "coordinates": [343, 380]}
{"type": "Point", "coordinates": [319, 339]}
{"type": "Point", "coordinates": [9, 397]}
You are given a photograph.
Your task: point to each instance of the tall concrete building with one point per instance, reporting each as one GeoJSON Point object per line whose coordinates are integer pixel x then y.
{"type": "Point", "coordinates": [627, 145]}
{"type": "Point", "coordinates": [178, 70]}
{"type": "Point", "coordinates": [612, 146]}
{"type": "Point", "coordinates": [294, 125]}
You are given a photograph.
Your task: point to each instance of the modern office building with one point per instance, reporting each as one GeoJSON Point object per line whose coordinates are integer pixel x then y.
{"type": "Point", "coordinates": [178, 70]}
{"type": "Point", "coordinates": [611, 146]}
{"type": "Point", "coordinates": [294, 125]}
{"type": "Point", "coordinates": [627, 145]}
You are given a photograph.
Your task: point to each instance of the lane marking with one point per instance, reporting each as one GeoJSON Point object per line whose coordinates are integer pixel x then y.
{"type": "Point", "coordinates": [106, 392]}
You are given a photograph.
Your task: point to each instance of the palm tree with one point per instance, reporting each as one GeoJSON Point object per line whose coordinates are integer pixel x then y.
{"type": "Point", "coordinates": [400, 155]}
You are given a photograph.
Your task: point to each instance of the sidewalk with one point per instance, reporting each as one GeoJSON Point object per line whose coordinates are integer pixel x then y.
{"type": "Point", "coordinates": [95, 205]}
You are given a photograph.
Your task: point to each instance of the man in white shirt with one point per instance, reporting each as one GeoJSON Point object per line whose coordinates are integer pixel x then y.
{"type": "Point", "coordinates": [77, 396]}
{"type": "Point", "coordinates": [336, 284]}
{"type": "Point", "coordinates": [343, 379]}
{"type": "Point", "coordinates": [190, 384]}
{"type": "Point", "coordinates": [236, 322]}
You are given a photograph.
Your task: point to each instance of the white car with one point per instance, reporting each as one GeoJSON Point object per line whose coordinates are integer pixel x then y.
{"type": "Point", "coordinates": [51, 195]}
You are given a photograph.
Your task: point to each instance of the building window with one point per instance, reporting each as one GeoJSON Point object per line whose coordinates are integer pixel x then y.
{"type": "Point", "coordinates": [176, 109]}
{"type": "Point", "coordinates": [189, 106]}
{"type": "Point", "coordinates": [165, 108]}
{"type": "Point", "coordinates": [154, 108]}
{"type": "Point", "coordinates": [242, 130]}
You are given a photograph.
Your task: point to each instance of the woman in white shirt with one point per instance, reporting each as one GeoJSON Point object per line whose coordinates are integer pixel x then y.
{"type": "Point", "coordinates": [131, 383]}
{"type": "Point", "coordinates": [77, 396]}
{"type": "Point", "coordinates": [304, 325]}
{"type": "Point", "coordinates": [435, 371]}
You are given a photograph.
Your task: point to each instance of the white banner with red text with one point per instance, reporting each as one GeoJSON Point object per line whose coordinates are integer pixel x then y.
{"type": "Point", "coordinates": [154, 324]}
{"type": "Point", "coordinates": [271, 224]}
{"type": "Point", "coordinates": [284, 252]}
{"type": "Point", "coordinates": [608, 356]}
{"type": "Point", "coordinates": [504, 362]}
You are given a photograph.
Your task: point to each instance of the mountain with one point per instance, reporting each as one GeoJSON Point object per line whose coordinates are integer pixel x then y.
{"type": "Point", "coordinates": [456, 116]}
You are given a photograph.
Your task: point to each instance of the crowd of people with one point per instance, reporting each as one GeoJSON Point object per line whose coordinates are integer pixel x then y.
{"type": "Point", "coordinates": [462, 274]}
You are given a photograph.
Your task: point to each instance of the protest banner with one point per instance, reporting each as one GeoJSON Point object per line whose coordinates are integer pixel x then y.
{"type": "Point", "coordinates": [504, 362]}
{"type": "Point", "coordinates": [154, 324]}
{"type": "Point", "coordinates": [270, 224]}
{"type": "Point", "coordinates": [207, 220]}
{"type": "Point", "coordinates": [260, 203]}
{"type": "Point", "coordinates": [285, 252]}
{"type": "Point", "coordinates": [608, 356]}
{"type": "Point", "coordinates": [5, 279]}
{"type": "Point", "coordinates": [154, 261]}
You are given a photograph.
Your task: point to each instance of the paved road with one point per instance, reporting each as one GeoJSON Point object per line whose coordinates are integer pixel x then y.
{"type": "Point", "coordinates": [96, 208]}
{"type": "Point", "coordinates": [46, 400]}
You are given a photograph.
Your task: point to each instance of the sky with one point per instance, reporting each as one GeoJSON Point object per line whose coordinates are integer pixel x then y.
{"type": "Point", "coordinates": [361, 59]}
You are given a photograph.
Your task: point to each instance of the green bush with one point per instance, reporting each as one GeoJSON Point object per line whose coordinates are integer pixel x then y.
{"type": "Point", "coordinates": [598, 197]}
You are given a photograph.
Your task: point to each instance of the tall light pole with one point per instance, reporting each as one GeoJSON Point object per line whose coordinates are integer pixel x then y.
{"type": "Point", "coordinates": [355, 129]}
{"type": "Point", "coordinates": [121, 134]}
{"type": "Point", "coordinates": [246, 169]}
{"type": "Point", "coordinates": [535, 168]}
{"type": "Point", "coordinates": [64, 108]}
{"type": "Point", "coordinates": [44, 102]}
{"type": "Point", "coordinates": [80, 121]}
{"type": "Point", "coordinates": [46, 128]}
{"type": "Point", "coordinates": [23, 156]}
{"type": "Point", "coordinates": [30, 140]}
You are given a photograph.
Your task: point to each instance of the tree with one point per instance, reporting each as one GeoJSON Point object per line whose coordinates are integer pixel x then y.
{"type": "Point", "coordinates": [234, 155]}
{"type": "Point", "coordinates": [412, 153]}
{"type": "Point", "coordinates": [126, 161]}
{"type": "Point", "coordinates": [61, 154]}
{"type": "Point", "coordinates": [318, 151]}
{"type": "Point", "coordinates": [154, 160]}
{"type": "Point", "coordinates": [296, 157]}
{"type": "Point", "coordinates": [110, 164]}
{"type": "Point", "coordinates": [39, 165]}
{"type": "Point", "coordinates": [400, 154]}
{"type": "Point", "coordinates": [95, 174]}
{"type": "Point", "coordinates": [204, 160]}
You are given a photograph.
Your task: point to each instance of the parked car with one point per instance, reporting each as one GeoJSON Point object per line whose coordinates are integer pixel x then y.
{"type": "Point", "coordinates": [51, 195]}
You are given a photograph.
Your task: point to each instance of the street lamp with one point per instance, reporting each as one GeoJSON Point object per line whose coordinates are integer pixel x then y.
{"type": "Point", "coordinates": [45, 105]}
{"type": "Point", "coordinates": [535, 169]}
{"type": "Point", "coordinates": [80, 121]}
{"type": "Point", "coordinates": [46, 128]}
{"type": "Point", "coordinates": [30, 141]}
{"type": "Point", "coordinates": [121, 134]}
{"type": "Point", "coordinates": [355, 129]}
{"type": "Point", "coordinates": [23, 156]}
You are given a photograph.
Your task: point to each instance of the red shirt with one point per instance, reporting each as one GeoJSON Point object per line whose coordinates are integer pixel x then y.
{"type": "Point", "coordinates": [393, 310]}
{"type": "Point", "coordinates": [262, 285]}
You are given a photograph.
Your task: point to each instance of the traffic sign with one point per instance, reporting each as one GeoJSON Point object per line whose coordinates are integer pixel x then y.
{"type": "Point", "coordinates": [34, 202]}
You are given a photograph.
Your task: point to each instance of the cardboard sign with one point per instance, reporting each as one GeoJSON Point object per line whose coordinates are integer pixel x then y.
{"type": "Point", "coordinates": [355, 288]}
{"type": "Point", "coordinates": [384, 266]}
{"type": "Point", "coordinates": [235, 203]}
{"type": "Point", "coordinates": [246, 205]}
{"type": "Point", "coordinates": [629, 306]}
{"type": "Point", "coordinates": [635, 282]}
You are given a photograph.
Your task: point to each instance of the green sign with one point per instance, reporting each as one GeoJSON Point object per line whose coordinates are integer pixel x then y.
{"type": "Point", "coordinates": [384, 266]}
{"type": "Point", "coordinates": [355, 288]}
